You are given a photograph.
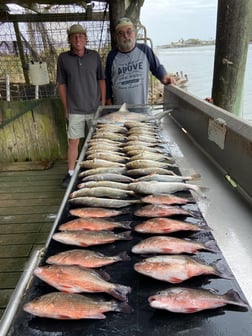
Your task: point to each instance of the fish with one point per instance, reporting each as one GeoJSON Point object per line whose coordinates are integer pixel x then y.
{"type": "Point", "coordinates": [93, 224]}
{"type": "Point", "coordinates": [99, 163]}
{"type": "Point", "coordinates": [65, 306]}
{"type": "Point", "coordinates": [168, 178]}
{"type": "Point", "coordinates": [178, 268]}
{"type": "Point", "coordinates": [102, 170]}
{"type": "Point", "coordinates": [112, 128]}
{"type": "Point", "coordinates": [139, 124]}
{"type": "Point", "coordinates": [99, 141]}
{"type": "Point", "coordinates": [172, 245]}
{"type": "Point", "coordinates": [168, 199]}
{"type": "Point", "coordinates": [136, 149]}
{"type": "Point", "coordinates": [116, 177]}
{"type": "Point", "coordinates": [110, 184]}
{"type": "Point", "coordinates": [109, 135]}
{"type": "Point", "coordinates": [87, 238]}
{"type": "Point", "coordinates": [192, 300]}
{"type": "Point", "coordinates": [155, 187]}
{"type": "Point", "coordinates": [102, 202]}
{"type": "Point", "coordinates": [124, 115]}
{"type": "Point", "coordinates": [147, 164]}
{"type": "Point", "coordinates": [102, 192]}
{"type": "Point", "coordinates": [147, 155]}
{"type": "Point", "coordinates": [147, 171]}
{"type": "Point", "coordinates": [143, 137]}
{"type": "Point", "coordinates": [85, 258]}
{"type": "Point", "coordinates": [107, 156]}
{"type": "Point", "coordinates": [75, 279]}
{"type": "Point", "coordinates": [99, 145]}
{"type": "Point", "coordinates": [160, 210]}
{"type": "Point", "coordinates": [96, 212]}
{"type": "Point", "coordinates": [162, 225]}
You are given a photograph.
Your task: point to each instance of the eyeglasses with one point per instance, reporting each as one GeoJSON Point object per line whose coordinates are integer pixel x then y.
{"type": "Point", "coordinates": [128, 32]}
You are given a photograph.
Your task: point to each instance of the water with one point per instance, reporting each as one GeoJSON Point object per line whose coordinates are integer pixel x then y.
{"type": "Point", "coordinates": [198, 64]}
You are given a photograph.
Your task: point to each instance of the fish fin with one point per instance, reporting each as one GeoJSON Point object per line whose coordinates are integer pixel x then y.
{"type": "Point", "coordinates": [125, 235]}
{"type": "Point", "coordinates": [175, 280]}
{"type": "Point", "coordinates": [103, 274]}
{"type": "Point", "coordinates": [126, 224]}
{"type": "Point", "coordinates": [222, 270]}
{"type": "Point", "coordinates": [211, 246]}
{"type": "Point", "coordinates": [233, 297]}
{"type": "Point", "coordinates": [124, 307]}
{"type": "Point", "coordinates": [191, 310]}
{"type": "Point", "coordinates": [124, 256]}
{"type": "Point", "coordinates": [120, 292]}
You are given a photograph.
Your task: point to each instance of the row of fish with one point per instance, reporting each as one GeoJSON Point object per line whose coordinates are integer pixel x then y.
{"type": "Point", "coordinates": [127, 164]}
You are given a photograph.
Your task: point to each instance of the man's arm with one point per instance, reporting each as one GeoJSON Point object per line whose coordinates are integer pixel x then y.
{"type": "Point", "coordinates": [63, 96]}
{"type": "Point", "coordinates": [102, 85]}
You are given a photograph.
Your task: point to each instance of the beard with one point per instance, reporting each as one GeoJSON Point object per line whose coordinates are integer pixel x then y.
{"type": "Point", "coordinates": [126, 44]}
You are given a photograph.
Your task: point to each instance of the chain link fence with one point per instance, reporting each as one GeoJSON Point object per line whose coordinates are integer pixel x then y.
{"type": "Point", "coordinates": [39, 36]}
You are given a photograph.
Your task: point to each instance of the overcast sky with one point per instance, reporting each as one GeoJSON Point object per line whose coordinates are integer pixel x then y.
{"type": "Point", "coordinates": [170, 20]}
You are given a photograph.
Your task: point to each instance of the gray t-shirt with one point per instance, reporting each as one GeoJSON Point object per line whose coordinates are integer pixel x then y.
{"type": "Point", "coordinates": [81, 76]}
{"type": "Point", "coordinates": [127, 74]}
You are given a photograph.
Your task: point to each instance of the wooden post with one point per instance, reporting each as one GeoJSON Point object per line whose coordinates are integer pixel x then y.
{"type": "Point", "coordinates": [116, 11]}
{"type": "Point", "coordinates": [21, 51]}
{"type": "Point", "coordinates": [232, 37]}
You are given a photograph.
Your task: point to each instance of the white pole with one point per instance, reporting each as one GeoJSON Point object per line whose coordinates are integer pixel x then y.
{"type": "Point", "coordinates": [7, 87]}
{"type": "Point", "coordinates": [36, 92]}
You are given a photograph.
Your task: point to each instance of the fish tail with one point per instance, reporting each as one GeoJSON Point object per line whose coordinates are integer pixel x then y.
{"type": "Point", "coordinates": [123, 307]}
{"type": "Point", "coordinates": [126, 225]}
{"type": "Point", "coordinates": [120, 292]}
{"type": "Point", "coordinates": [211, 246]}
{"type": "Point", "coordinates": [124, 256]}
{"type": "Point", "coordinates": [233, 297]}
{"type": "Point", "coordinates": [160, 115]}
{"type": "Point", "coordinates": [194, 177]}
{"type": "Point", "coordinates": [126, 235]}
{"type": "Point", "coordinates": [221, 270]}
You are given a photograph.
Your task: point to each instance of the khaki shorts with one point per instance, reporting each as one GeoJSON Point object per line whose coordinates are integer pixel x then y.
{"type": "Point", "coordinates": [79, 125]}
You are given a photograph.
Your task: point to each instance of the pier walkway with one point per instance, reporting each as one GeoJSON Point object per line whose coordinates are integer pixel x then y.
{"type": "Point", "coordinates": [29, 202]}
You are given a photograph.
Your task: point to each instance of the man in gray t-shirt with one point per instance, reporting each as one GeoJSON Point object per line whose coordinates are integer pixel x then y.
{"type": "Point", "coordinates": [127, 68]}
{"type": "Point", "coordinates": [81, 86]}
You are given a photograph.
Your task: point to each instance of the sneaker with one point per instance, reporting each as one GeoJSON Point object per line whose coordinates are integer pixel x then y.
{"type": "Point", "coordinates": [66, 181]}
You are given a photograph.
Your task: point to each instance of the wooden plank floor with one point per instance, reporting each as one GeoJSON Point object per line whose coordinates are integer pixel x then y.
{"type": "Point", "coordinates": [29, 202]}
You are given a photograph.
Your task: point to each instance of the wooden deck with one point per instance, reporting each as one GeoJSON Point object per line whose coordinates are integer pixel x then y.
{"type": "Point", "coordinates": [29, 202]}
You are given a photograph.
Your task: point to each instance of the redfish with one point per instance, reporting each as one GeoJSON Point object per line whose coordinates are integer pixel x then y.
{"type": "Point", "coordinates": [85, 258]}
{"type": "Point", "coordinates": [160, 210]}
{"type": "Point", "coordinates": [64, 306]}
{"type": "Point", "coordinates": [89, 238]}
{"type": "Point", "coordinates": [93, 224]}
{"type": "Point", "coordinates": [177, 268]}
{"type": "Point", "coordinates": [96, 212]}
{"type": "Point", "coordinates": [172, 245]}
{"type": "Point", "coordinates": [188, 300]}
{"type": "Point", "coordinates": [166, 225]}
{"type": "Point", "coordinates": [75, 279]}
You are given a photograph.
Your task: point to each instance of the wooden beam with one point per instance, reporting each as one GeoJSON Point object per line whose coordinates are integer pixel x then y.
{"type": "Point", "coordinates": [232, 37]}
{"type": "Point", "coordinates": [96, 16]}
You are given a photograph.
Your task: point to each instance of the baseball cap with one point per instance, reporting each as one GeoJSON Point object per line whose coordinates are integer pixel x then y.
{"type": "Point", "coordinates": [76, 29]}
{"type": "Point", "coordinates": [123, 22]}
